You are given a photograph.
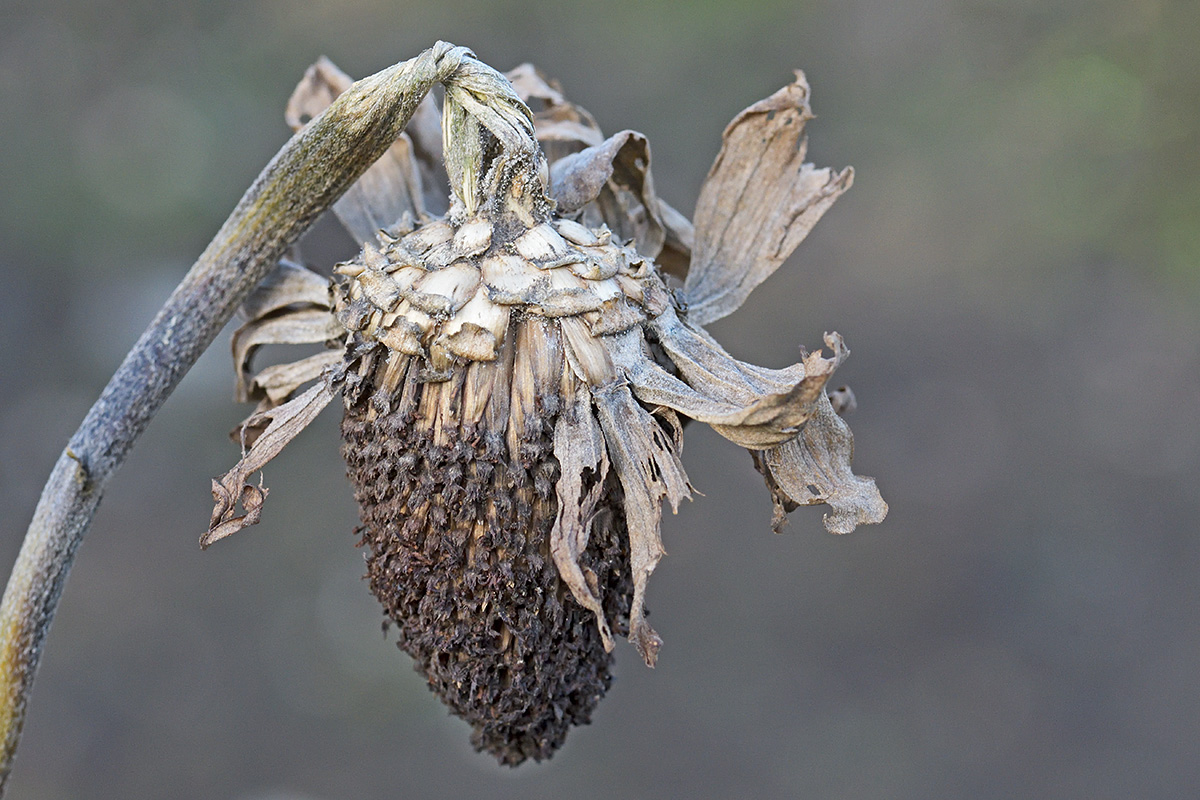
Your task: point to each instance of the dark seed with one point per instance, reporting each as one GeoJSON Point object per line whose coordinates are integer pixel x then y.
{"type": "Point", "coordinates": [458, 540]}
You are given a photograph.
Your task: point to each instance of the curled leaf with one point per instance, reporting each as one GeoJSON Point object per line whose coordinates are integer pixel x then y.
{"type": "Point", "coordinates": [279, 381]}
{"type": "Point", "coordinates": [701, 359]}
{"type": "Point", "coordinates": [758, 203]}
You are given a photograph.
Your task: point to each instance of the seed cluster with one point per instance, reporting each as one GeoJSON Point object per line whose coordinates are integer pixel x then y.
{"type": "Point", "coordinates": [457, 528]}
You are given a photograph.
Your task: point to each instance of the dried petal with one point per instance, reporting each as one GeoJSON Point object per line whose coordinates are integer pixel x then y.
{"type": "Point", "coordinates": [579, 448]}
{"type": "Point", "coordinates": [737, 412]}
{"type": "Point", "coordinates": [648, 464]}
{"type": "Point", "coordinates": [279, 381]}
{"type": "Point", "coordinates": [307, 326]}
{"type": "Point", "coordinates": [284, 423]}
{"type": "Point", "coordinates": [613, 180]}
{"type": "Point", "coordinates": [289, 284]}
{"type": "Point", "coordinates": [759, 201]}
{"type": "Point", "coordinates": [560, 126]}
{"type": "Point", "coordinates": [815, 468]}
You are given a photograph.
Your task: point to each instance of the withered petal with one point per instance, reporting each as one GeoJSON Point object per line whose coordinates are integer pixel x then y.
{"type": "Point", "coordinates": [612, 184]}
{"type": "Point", "coordinates": [758, 203]}
{"type": "Point", "coordinates": [579, 448]}
{"type": "Point", "coordinates": [288, 284]}
{"type": "Point", "coordinates": [814, 468]}
{"type": "Point", "coordinates": [560, 126]}
{"type": "Point", "coordinates": [702, 361]}
{"type": "Point", "coordinates": [278, 381]}
{"type": "Point", "coordinates": [676, 254]}
{"type": "Point", "coordinates": [737, 411]}
{"type": "Point", "coordinates": [284, 423]}
{"type": "Point", "coordinates": [648, 465]}
{"type": "Point", "coordinates": [304, 326]}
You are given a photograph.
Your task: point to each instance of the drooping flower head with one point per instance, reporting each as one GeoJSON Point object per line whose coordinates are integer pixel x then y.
{"type": "Point", "coordinates": [515, 371]}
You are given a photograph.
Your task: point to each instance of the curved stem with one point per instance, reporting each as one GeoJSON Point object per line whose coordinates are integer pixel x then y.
{"type": "Point", "coordinates": [311, 171]}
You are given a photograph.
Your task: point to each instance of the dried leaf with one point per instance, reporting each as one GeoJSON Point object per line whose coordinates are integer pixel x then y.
{"type": "Point", "coordinates": [815, 468]}
{"type": "Point", "coordinates": [391, 187]}
{"type": "Point", "coordinates": [758, 203]}
{"type": "Point", "coordinates": [251, 500]}
{"type": "Point", "coordinates": [648, 464]}
{"type": "Point", "coordinates": [284, 424]}
{"type": "Point", "coordinates": [579, 448]}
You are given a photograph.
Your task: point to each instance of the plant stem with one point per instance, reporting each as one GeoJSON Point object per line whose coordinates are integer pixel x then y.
{"type": "Point", "coordinates": [307, 175]}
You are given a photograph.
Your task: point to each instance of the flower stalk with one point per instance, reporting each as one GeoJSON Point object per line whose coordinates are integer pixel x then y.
{"type": "Point", "coordinates": [308, 174]}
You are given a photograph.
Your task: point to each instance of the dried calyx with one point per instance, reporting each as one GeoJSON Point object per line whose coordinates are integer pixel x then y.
{"type": "Point", "coordinates": [514, 371]}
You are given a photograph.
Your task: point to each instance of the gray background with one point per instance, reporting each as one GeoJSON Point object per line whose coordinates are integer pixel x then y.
{"type": "Point", "coordinates": [1015, 271]}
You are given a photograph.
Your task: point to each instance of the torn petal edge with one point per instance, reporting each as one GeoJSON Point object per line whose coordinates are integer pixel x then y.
{"type": "Point", "coordinates": [815, 467]}
{"type": "Point", "coordinates": [285, 423]}
{"type": "Point", "coordinates": [649, 468]}
{"type": "Point", "coordinates": [759, 201]}
{"type": "Point", "coordinates": [578, 446]}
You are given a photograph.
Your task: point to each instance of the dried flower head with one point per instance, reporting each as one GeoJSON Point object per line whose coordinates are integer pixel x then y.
{"type": "Point", "coordinates": [514, 370]}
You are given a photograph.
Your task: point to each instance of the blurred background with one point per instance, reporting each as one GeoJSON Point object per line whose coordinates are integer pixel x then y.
{"type": "Point", "coordinates": [1017, 272]}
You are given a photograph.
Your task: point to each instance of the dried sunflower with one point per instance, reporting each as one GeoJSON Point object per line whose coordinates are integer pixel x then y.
{"type": "Point", "coordinates": [514, 369]}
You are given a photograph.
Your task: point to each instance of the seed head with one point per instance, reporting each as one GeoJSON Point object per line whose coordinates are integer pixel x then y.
{"type": "Point", "coordinates": [514, 371]}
